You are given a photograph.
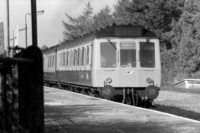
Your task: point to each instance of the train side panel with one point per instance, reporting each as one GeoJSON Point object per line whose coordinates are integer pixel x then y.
{"type": "Point", "coordinates": [75, 65]}
{"type": "Point", "coordinates": [49, 60]}
{"type": "Point", "coordinates": [75, 77]}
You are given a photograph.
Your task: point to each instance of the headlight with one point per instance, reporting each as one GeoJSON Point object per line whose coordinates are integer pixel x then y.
{"type": "Point", "coordinates": [108, 80]}
{"type": "Point", "coordinates": [149, 80]}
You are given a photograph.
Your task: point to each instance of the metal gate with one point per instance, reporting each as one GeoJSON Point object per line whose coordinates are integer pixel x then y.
{"type": "Point", "coordinates": [21, 92]}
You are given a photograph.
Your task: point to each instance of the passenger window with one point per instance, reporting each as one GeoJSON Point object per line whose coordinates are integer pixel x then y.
{"type": "Point", "coordinates": [82, 61]}
{"type": "Point", "coordinates": [70, 58]}
{"type": "Point", "coordinates": [88, 55]}
{"type": "Point", "coordinates": [52, 60]}
{"type": "Point", "coordinates": [67, 58]}
{"type": "Point", "coordinates": [47, 61]}
{"type": "Point", "coordinates": [59, 59]}
{"type": "Point", "coordinates": [147, 54]}
{"type": "Point", "coordinates": [108, 54]}
{"type": "Point", "coordinates": [77, 58]}
{"type": "Point", "coordinates": [74, 60]}
{"type": "Point", "coordinates": [63, 59]}
{"type": "Point", "coordinates": [128, 54]}
{"type": "Point", "coordinates": [85, 56]}
{"type": "Point", "coordinates": [79, 54]}
{"type": "Point", "coordinates": [61, 54]}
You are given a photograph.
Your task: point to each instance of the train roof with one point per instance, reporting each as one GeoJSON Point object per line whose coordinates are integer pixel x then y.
{"type": "Point", "coordinates": [50, 49]}
{"type": "Point", "coordinates": [121, 31]}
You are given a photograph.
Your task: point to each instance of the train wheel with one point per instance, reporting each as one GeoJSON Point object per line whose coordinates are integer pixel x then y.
{"type": "Point", "coordinates": [128, 100]}
{"type": "Point", "coordinates": [91, 94]}
{"type": "Point", "coordinates": [71, 88]}
{"type": "Point", "coordinates": [83, 92]}
{"type": "Point", "coordinates": [45, 84]}
{"type": "Point", "coordinates": [60, 86]}
{"type": "Point", "coordinates": [148, 103]}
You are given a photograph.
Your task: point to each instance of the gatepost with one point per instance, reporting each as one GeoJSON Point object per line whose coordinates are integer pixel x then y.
{"type": "Point", "coordinates": [31, 99]}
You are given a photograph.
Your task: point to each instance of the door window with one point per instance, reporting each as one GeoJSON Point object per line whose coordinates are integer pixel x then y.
{"type": "Point", "coordinates": [108, 54]}
{"type": "Point", "coordinates": [128, 54]}
{"type": "Point", "coordinates": [147, 54]}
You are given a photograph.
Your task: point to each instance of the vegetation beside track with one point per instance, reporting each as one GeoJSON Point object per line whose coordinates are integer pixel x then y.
{"type": "Point", "coordinates": [186, 104]}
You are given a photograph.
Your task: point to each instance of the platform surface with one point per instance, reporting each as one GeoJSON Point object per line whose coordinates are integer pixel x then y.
{"type": "Point", "coordinates": [69, 112]}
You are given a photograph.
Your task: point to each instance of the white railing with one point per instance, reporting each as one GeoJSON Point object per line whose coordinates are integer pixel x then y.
{"type": "Point", "coordinates": [188, 83]}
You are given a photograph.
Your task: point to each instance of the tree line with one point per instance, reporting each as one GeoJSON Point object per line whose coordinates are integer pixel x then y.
{"type": "Point", "coordinates": [175, 22]}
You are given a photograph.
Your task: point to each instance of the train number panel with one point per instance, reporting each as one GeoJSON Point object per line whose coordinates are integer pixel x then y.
{"type": "Point", "coordinates": [117, 62]}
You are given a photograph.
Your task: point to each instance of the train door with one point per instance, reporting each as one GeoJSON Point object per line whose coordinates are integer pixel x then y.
{"type": "Point", "coordinates": [149, 63]}
{"type": "Point", "coordinates": [128, 73]}
{"type": "Point", "coordinates": [106, 72]}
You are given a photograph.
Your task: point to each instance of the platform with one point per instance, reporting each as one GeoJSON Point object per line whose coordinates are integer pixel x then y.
{"type": "Point", "coordinates": [69, 112]}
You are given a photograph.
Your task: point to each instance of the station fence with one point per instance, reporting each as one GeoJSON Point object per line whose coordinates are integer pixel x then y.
{"type": "Point", "coordinates": [21, 92]}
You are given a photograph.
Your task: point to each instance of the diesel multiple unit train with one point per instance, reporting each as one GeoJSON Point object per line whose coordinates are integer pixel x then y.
{"type": "Point", "coordinates": [118, 62]}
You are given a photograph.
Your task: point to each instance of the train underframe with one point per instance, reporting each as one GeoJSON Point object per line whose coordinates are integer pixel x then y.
{"type": "Point", "coordinates": [126, 95]}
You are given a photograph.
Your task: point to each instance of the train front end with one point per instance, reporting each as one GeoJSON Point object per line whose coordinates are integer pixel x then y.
{"type": "Point", "coordinates": [128, 67]}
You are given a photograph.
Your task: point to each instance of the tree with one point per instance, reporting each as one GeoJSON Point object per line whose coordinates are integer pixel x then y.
{"type": "Point", "coordinates": [80, 25]}
{"type": "Point", "coordinates": [156, 15]}
{"type": "Point", "coordinates": [185, 38]}
{"type": "Point", "coordinates": [188, 39]}
{"type": "Point", "coordinates": [44, 47]}
{"type": "Point", "coordinates": [121, 14]}
{"type": "Point", "coordinates": [87, 22]}
{"type": "Point", "coordinates": [103, 18]}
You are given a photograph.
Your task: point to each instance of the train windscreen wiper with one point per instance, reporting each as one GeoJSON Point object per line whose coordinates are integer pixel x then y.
{"type": "Point", "coordinates": [111, 43]}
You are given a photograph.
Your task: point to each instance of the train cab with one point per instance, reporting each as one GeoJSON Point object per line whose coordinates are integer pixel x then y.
{"type": "Point", "coordinates": [130, 61]}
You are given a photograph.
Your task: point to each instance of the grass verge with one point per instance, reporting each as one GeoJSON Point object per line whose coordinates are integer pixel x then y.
{"type": "Point", "coordinates": [179, 103]}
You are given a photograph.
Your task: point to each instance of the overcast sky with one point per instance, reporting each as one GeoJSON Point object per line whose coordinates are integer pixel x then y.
{"type": "Point", "coordinates": [50, 27]}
